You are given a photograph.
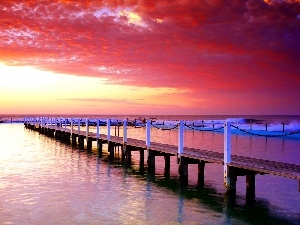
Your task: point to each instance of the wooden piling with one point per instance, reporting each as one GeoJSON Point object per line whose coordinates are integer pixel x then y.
{"type": "Point", "coordinates": [74, 142]}
{"type": "Point", "coordinates": [183, 171]}
{"type": "Point", "coordinates": [99, 147]}
{"type": "Point", "coordinates": [111, 150]}
{"type": "Point", "coordinates": [250, 187]}
{"type": "Point", "coordinates": [151, 161]}
{"type": "Point", "coordinates": [201, 167]}
{"type": "Point", "coordinates": [142, 161]}
{"type": "Point", "coordinates": [67, 138]}
{"type": "Point", "coordinates": [128, 156]}
{"type": "Point", "coordinates": [167, 164]}
{"type": "Point", "coordinates": [89, 144]}
{"type": "Point", "coordinates": [81, 142]}
{"type": "Point", "coordinates": [232, 178]}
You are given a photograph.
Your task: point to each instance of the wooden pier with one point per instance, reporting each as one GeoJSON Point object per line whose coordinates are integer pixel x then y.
{"type": "Point", "coordinates": [234, 165]}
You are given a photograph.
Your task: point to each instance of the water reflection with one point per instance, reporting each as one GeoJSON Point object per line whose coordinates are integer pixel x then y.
{"type": "Point", "coordinates": [58, 183]}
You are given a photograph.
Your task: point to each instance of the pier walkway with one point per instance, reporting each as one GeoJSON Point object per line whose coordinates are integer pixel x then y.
{"type": "Point", "coordinates": [234, 165]}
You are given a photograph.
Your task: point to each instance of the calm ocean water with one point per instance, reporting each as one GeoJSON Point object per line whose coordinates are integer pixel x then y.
{"type": "Point", "coordinates": [43, 181]}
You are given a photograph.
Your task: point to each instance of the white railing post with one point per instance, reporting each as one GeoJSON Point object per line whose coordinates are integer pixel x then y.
{"type": "Point", "coordinates": [98, 129]}
{"type": "Point", "coordinates": [180, 137]}
{"type": "Point", "coordinates": [87, 128]}
{"type": "Point", "coordinates": [148, 132]}
{"type": "Point", "coordinates": [108, 129]}
{"type": "Point", "coordinates": [71, 126]}
{"type": "Point", "coordinates": [124, 131]}
{"type": "Point", "coordinates": [65, 124]}
{"type": "Point", "coordinates": [78, 124]}
{"type": "Point", "coordinates": [227, 152]}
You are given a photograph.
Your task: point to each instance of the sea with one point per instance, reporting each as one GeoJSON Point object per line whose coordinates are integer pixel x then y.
{"type": "Point", "coordinates": [45, 181]}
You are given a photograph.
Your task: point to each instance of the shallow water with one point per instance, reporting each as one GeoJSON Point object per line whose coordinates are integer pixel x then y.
{"type": "Point", "coordinates": [43, 181]}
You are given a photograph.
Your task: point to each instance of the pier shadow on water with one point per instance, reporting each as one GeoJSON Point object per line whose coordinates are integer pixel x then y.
{"type": "Point", "coordinates": [234, 207]}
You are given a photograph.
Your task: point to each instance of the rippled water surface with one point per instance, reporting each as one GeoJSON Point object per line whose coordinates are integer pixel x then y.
{"type": "Point", "coordinates": [43, 181]}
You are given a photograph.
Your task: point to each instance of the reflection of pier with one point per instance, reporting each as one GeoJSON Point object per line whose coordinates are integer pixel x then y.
{"type": "Point", "coordinates": [233, 165]}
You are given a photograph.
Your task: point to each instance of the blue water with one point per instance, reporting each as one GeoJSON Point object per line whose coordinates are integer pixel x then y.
{"type": "Point", "coordinates": [43, 181]}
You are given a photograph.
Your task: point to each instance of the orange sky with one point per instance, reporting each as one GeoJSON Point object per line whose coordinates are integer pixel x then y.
{"type": "Point", "coordinates": [150, 57]}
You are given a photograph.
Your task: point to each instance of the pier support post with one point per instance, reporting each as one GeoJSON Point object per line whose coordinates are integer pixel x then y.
{"type": "Point", "coordinates": [128, 156]}
{"type": "Point", "coordinates": [151, 161]}
{"type": "Point", "coordinates": [201, 167]}
{"type": "Point", "coordinates": [227, 153]}
{"type": "Point", "coordinates": [148, 131]}
{"type": "Point", "coordinates": [250, 187]}
{"type": "Point", "coordinates": [124, 131]}
{"type": "Point", "coordinates": [71, 126]}
{"type": "Point", "coordinates": [78, 125]}
{"type": "Point", "coordinates": [89, 144]}
{"type": "Point", "coordinates": [74, 142]}
{"type": "Point", "coordinates": [111, 150]}
{"type": "Point", "coordinates": [142, 161]}
{"type": "Point", "coordinates": [167, 165]}
{"type": "Point", "coordinates": [99, 147]}
{"type": "Point", "coordinates": [62, 136]}
{"type": "Point", "coordinates": [108, 129]}
{"type": "Point", "coordinates": [180, 137]}
{"type": "Point", "coordinates": [87, 128]}
{"type": "Point", "coordinates": [80, 142]}
{"type": "Point", "coordinates": [183, 171]}
{"type": "Point", "coordinates": [98, 129]}
{"type": "Point", "coordinates": [67, 137]}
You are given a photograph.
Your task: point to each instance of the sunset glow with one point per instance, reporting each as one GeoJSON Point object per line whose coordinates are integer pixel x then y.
{"type": "Point", "coordinates": [150, 57]}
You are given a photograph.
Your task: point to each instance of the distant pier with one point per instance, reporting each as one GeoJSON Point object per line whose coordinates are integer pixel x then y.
{"type": "Point", "coordinates": [77, 133]}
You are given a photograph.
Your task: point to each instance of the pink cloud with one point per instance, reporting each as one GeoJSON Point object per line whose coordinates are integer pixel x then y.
{"type": "Point", "coordinates": [235, 48]}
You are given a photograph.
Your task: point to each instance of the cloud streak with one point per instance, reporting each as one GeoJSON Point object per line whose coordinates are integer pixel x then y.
{"type": "Point", "coordinates": [103, 100]}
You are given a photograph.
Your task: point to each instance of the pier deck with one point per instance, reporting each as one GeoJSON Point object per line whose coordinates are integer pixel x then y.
{"type": "Point", "coordinates": [260, 166]}
{"type": "Point", "coordinates": [236, 166]}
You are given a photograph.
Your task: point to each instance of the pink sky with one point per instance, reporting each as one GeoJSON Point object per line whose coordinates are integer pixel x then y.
{"type": "Point", "coordinates": [150, 57]}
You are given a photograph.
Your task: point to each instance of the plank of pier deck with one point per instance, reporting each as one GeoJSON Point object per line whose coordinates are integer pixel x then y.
{"type": "Point", "coordinates": [253, 164]}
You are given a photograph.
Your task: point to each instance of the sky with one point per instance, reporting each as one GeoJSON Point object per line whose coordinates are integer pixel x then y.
{"type": "Point", "coordinates": [204, 57]}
